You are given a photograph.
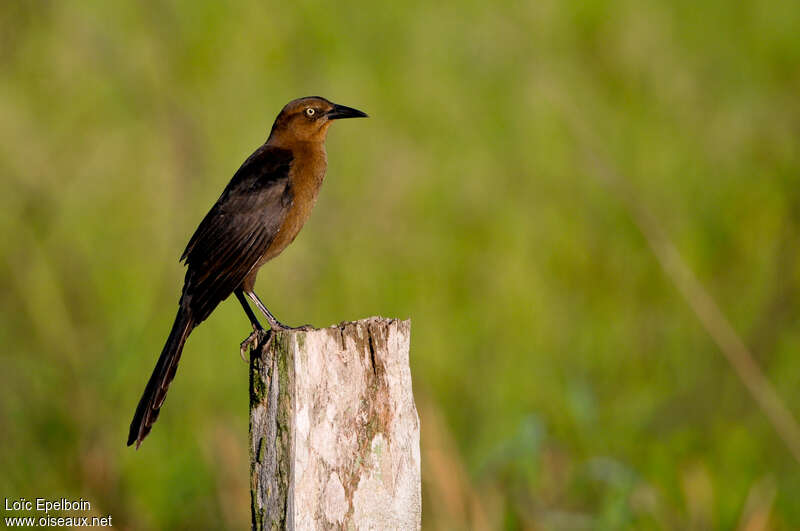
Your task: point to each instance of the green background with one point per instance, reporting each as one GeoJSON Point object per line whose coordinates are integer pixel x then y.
{"type": "Point", "coordinates": [561, 379]}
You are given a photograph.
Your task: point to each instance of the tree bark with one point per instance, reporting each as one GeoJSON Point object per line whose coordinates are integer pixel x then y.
{"type": "Point", "coordinates": [334, 433]}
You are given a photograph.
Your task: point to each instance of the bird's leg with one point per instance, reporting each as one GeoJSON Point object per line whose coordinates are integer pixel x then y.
{"type": "Point", "coordinates": [252, 339]}
{"type": "Point", "coordinates": [273, 322]}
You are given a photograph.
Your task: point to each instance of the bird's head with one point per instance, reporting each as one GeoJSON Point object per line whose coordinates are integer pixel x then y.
{"type": "Point", "coordinates": [308, 120]}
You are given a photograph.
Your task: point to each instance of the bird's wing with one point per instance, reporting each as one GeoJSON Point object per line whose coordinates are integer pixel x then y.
{"type": "Point", "coordinates": [237, 230]}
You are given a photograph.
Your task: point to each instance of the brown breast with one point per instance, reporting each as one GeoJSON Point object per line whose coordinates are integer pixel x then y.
{"type": "Point", "coordinates": [305, 177]}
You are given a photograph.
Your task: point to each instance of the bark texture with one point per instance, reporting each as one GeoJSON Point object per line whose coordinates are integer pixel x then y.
{"type": "Point", "coordinates": [334, 433]}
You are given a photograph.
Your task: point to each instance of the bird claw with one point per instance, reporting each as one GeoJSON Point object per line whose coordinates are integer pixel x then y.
{"type": "Point", "coordinates": [280, 327]}
{"type": "Point", "coordinates": [251, 341]}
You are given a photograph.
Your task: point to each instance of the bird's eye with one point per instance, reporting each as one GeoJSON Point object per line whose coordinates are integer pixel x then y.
{"type": "Point", "coordinates": [310, 111]}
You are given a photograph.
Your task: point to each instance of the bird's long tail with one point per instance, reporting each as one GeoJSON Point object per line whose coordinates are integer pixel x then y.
{"type": "Point", "coordinates": [156, 390]}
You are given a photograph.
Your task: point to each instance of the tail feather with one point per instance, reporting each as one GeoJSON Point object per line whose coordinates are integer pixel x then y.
{"type": "Point", "coordinates": [163, 373]}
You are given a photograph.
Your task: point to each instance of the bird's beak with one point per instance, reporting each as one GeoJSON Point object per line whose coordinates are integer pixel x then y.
{"type": "Point", "coordinates": [341, 111]}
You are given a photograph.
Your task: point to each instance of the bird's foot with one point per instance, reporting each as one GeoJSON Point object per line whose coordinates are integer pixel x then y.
{"type": "Point", "coordinates": [278, 326]}
{"type": "Point", "coordinates": [251, 342]}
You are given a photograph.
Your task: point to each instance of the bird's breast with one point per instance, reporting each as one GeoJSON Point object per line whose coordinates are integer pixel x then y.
{"type": "Point", "coordinates": [305, 181]}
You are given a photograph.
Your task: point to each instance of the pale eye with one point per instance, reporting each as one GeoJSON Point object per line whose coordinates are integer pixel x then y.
{"type": "Point", "coordinates": [310, 112]}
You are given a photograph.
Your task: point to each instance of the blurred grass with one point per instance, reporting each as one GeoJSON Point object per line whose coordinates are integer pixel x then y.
{"type": "Point", "coordinates": [562, 382]}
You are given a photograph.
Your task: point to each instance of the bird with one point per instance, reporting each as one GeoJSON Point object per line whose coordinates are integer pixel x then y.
{"type": "Point", "coordinates": [258, 214]}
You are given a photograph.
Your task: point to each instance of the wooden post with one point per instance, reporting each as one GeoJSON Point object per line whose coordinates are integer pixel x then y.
{"type": "Point", "coordinates": [334, 433]}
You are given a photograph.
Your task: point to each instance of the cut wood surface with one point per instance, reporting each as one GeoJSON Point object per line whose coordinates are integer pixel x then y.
{"type": "Point", "coordinates": [334, 433]}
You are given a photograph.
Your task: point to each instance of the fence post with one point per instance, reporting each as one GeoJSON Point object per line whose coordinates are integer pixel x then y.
{"type": "Point", "coordinates": [334, 433]}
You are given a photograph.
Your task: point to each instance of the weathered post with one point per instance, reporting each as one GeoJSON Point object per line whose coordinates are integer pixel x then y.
{"type": "Point", "coordinates": [334, 433]}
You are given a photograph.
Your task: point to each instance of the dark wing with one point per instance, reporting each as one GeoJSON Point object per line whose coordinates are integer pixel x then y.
{"type": "Point", "coordinates": [237, 230]}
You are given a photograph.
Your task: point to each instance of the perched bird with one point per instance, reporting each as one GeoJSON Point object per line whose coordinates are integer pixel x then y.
{"type": "Point", "coordinates": [258, 214]}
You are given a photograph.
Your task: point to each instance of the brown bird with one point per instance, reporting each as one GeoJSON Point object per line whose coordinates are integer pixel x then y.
{"type": "Point", "coordinates": [258, 214]}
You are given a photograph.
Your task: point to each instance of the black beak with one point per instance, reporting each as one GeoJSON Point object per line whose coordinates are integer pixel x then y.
{"type": "Point", "coordinates": [341, 111]}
